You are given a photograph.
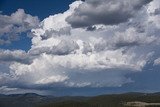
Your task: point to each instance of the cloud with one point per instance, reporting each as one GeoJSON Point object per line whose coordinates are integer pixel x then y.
{"type": "Point", "coordinates": [92, 12]}
{"type": "Point", "coordinates": [101, 56]}
{"type": "Point", "coordinates": [157, 61]}
{"type": "Point", "coordinates": [62, 71]}
{"type": "Point", "coordinates": [132, 38]}
{"type": "Point", "coordinates": [62, 48]}
{"type": "Point", "coordinates": [10, 90]}
{"type": "Point", "coordinates": [14, 56]}
{"type": "Point", "coordinates": [6, 89]}
{"type": "Point", "coordinates": [153, 10]}
{"type": "Point", "coordinates": [60, 57]}
{"type": "Point", "coordinates": [18, 22]}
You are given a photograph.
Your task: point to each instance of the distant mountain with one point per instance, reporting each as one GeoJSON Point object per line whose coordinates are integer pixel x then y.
{"type": "Point", "coordinates": [22, 100]}
{"type": "Point", "coordinates": [33, 100]}
{"type": "Point", "coordinates": [113, 100]}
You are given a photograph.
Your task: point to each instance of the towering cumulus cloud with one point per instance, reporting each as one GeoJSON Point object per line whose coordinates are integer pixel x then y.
{"type": "Point", "coordinates": [95, 43]}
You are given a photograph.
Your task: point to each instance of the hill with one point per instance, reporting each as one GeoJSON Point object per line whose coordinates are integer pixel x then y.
{"type": "Point", "coordinates": [113, 100]}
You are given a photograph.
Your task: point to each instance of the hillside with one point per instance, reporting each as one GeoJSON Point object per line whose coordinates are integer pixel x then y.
{"type": "Point", "coordinates": [119, 100]}
{"type": "Point", "coordinates": [114, 100]}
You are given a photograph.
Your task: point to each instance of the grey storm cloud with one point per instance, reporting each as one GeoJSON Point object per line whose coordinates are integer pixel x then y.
{"type": "Point", "coordinates": [18, 22]}
{"type": "Point", "coordinates": [107, 12]}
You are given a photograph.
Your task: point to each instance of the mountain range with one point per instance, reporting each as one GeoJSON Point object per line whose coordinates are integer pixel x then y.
{"type": "Point", "coordinates": [132, 99]}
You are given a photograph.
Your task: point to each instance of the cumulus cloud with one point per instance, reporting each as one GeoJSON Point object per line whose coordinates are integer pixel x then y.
{"type": "Point", "coordinates": [102, 56]}
{"type": "Point", "coordinates": [63, 70]}
{"type": "Point", "coordinates": [105, 12]}
{"type": "Point", "coordinates": [153, 10]}
{"type": "Point", "coordinates": [62, 48]}
{"type": "Point", "coordinates": [18, 22]}
{"type": "Point", "coordinates": [14, 56]}
{"type": "Point", "coordinates": [132, 38]}
{"type": "Point", "coordinates": [157, 61]}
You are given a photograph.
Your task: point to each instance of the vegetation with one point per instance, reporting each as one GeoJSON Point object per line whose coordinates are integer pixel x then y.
{"type": "Point", "coordinates": [114, 100]}
{"type": "Point", "coordinates": [110, 101]}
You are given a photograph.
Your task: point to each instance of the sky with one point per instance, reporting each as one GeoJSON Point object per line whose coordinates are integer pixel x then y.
{"type": "Point", "coordinates": [86, 48]}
